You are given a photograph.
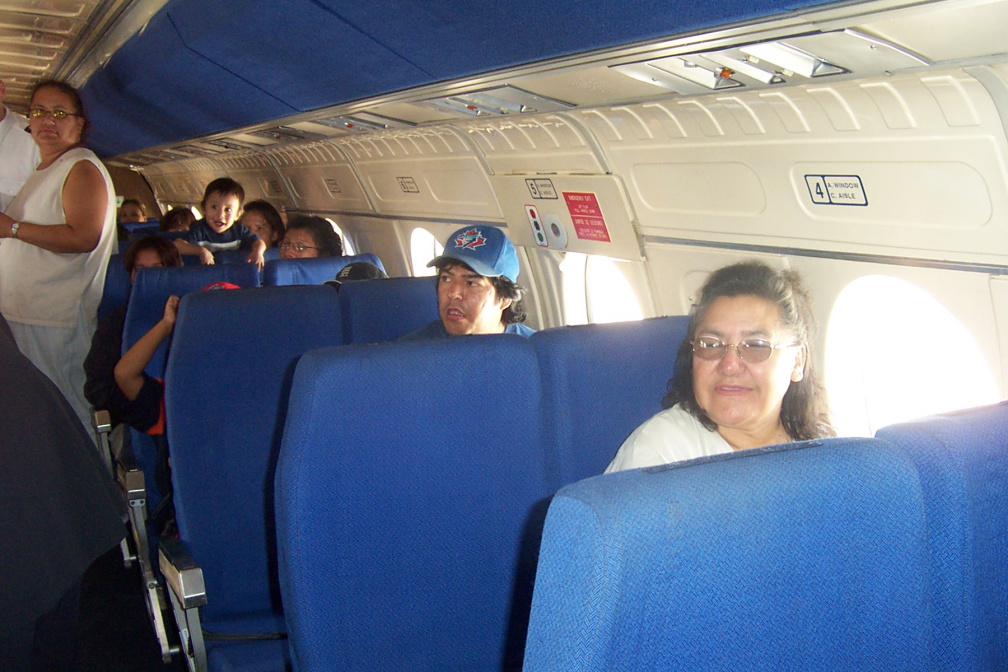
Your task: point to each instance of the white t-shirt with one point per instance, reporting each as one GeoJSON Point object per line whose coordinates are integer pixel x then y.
{"type": "Point", "coordinates": [670, 436]}
{"type": "Point", "coordinates": [18, 157]}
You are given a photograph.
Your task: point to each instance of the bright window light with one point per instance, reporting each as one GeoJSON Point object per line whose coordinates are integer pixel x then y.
{"type": "Point", "coordinates": [348, 246]}
{"type": "Point", "coordinates": [894, 353]}
{"type": "Point", "coordinates": [423, 247]}
{"type": "Point", "coordinates": [572, 274]}
{"type": "Point", "coordinates": [610, 296]}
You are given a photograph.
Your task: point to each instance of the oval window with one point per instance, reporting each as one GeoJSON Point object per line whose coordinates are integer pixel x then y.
{"type": "Point", "coordinates": [423, 247]}
{"type": "Point", "coordinates": [348, 246]}
{"type": "Point", "coordinates": [609, 294]}
{"type": "Point", "coordinates": [894, 353]}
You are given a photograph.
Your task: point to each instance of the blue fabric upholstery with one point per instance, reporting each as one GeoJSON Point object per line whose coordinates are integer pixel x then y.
{"type": "Point", "coordinates": [310, 271]}
{"type": "Point", "coordinates": [148, 295]}
{"type": "Point", "coordinates": [375, 311]}
{"type": "Point", "coordinates": [227, 382]}
{"type": "Point", "coordinates": [963, 461]}
{"type": "Point", "coordinates": [409, 479]}
{"type": "Point", "coordinates": [117, 286]}
{"type": "Point", "coordinates": [804, 558]}
{"type": "Point", "coordinates": [600, 382]}
{"type": "Point", "coordinates": [241, 256]}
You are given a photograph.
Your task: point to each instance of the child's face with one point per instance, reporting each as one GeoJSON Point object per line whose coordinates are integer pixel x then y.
{"type": "Point", "coordinates": [221, 211]}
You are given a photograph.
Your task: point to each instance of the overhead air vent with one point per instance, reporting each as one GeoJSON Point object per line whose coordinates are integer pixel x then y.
{"type": "Point", "coordinates": [362, 121]}
{"type": "Point", "coordinates": [285, 134]}
{"type": "Point", "coordinates": [502, 100]}
{"type": "Point", "coordinates": [795, 59]}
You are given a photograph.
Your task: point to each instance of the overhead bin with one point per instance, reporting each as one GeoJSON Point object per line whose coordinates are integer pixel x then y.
{"type": "Point", "coordinates": [832, 165]}
{"type": "Point", "coordinates": [320, 178]}
{"type": "Point", "coordinates": [181, 182]}
{"type": "Point", "coordinates": [430, 172]}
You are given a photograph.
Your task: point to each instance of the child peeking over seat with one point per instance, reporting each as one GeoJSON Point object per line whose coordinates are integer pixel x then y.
{"type": "Point", "coordinates": [218, 230]}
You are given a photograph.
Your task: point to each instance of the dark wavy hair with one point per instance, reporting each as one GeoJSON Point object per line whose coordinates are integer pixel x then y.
{"type": "Point", "coordinates": [177, 219]}
{"type": "Point", "coordinates": [166, 251]}
{"type": "Point", "coordinates": [505, 289]}
{"type": "Point", "coordinates": [270, 214]}
{"type": "Point", "coordinates": [68, 90]}
{"type": "Point", "coordinates": [804, 409]}
{"type": "Point", "coordinates": [326, 239]}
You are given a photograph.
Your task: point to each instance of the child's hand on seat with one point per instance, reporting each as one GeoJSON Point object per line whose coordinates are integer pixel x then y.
{"type": "Point", "coordinates": [256, 257]}
{"type": "Point", "coordinates": [205, 256]}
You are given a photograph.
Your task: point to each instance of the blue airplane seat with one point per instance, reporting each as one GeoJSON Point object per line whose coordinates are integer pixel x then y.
{"type": "Point", "coordinates": [241, 256]}
{"type": "Point", "coordinates": [117, 286]}
{"type": "Point", "coordinates": [810, 556]}
{"type": "Point", "coordinates": [963, 461]}
{"type": "Point", "coordinates": [381, 310]}
{"type": "Point", "coordinates": [600, 382]}
{"type": "Point", "coordinates": [140, 229]}
{"type": "Point", "coordinates": [148, 295]}
{"type": "Point", "coordinates": [227, 382]}
{"type": "Point", "coordinates": [408, 488]}
{"type": "Point", "coordinates": [310, 271]}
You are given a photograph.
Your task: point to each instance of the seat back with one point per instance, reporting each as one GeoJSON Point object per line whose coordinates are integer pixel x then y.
{"type": "Point", "coordinates": [148, 295]}
{"type": "Point", "coordinates": [375, 311]}
{"type": "Point", "coordinates": [803, 558]}
{"type": "Point", "coordinates": [963, 461]}
{"type": "Point", "coordinates": [241, 256]}
{"type": "Point", "coordinates": [310, 271]}
{"type": "Point", "coordinates": [226, 387]}
{"type": "Point", "coordinates": [117, 286]}
{"type": "Point", "coordinates": [600, 381]}
{"type": "Point", "coordinates": [408, 475]}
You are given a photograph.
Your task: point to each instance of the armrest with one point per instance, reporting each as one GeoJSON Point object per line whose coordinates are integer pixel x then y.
{"type": "Point", "coordinates": [183, 576]}
{"type": "Point", "coordinates": [101, 421]}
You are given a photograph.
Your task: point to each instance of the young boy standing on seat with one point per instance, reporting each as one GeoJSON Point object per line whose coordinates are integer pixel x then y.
{"type": "Point", "coordinates": [218, 230]}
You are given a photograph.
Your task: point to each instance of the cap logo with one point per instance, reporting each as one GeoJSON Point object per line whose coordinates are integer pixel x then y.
{"type": "Point", "coordinates": [470, 239]}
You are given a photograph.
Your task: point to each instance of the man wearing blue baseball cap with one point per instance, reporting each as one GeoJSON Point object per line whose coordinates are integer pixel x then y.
{"type": "Point", "coordinates": [477, 287]}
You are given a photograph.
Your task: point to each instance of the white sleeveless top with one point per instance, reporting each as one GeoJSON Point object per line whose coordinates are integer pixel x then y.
{"type": "Point", "coordinates": [46, 288]}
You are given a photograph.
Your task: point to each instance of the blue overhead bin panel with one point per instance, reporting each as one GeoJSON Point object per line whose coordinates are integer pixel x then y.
{"type": "Point", "coordinates": [202, 66]}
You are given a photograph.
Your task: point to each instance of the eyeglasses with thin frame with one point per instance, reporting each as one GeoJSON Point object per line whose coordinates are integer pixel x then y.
{"type": "Point", "coordinates": [41, 113]}
{"type": "Point", "coordinates": [751, 350]}
{"type": "Point", "coordinates": [299, 247]}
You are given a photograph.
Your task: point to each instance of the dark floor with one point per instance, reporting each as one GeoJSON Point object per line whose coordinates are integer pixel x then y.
{"type": "Point", "coordinates": [116, 634]}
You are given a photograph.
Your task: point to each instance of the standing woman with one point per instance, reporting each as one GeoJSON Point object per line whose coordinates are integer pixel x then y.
{"type": "Point", "coordinates": [57, 236]}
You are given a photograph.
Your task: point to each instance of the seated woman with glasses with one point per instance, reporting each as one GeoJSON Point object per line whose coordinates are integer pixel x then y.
{"type": "Point", "coordinates": [309, 237]}
{"type": "Point", "coordinates": [743, 376]}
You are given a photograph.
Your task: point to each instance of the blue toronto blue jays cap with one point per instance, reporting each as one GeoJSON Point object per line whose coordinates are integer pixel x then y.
{"type": "Point", "coordinates": [484, 249]}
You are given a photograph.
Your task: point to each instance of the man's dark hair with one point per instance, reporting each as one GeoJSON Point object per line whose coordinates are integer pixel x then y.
{"type": "Point", "coordinates": [504, 288]}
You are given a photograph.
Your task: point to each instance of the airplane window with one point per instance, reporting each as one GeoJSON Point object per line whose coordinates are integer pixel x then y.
{"type": "Point", "coordinates": [423, 247]}
{"type": "Point", "coordinates": [894, 353]}
{"type": "Point", "coordinates": [609, 294]}
{"type": "Point", "coordinates": [572, 272]}
{"type": "Point", "coordinates": [348, 246]}
{"type": "Point", "coordinates": [196, 213]}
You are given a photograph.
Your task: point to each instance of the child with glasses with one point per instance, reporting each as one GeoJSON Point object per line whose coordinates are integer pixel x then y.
{"type": "Point", "coordinates": [743, 376]}
{"type": "Point", "coordinates": [309, 237]}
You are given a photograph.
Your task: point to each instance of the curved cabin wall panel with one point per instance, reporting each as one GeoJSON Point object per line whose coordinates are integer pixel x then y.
{"type": "Point", "coordinates": [548, 143]}
{"type": "Point", "coordinates": [430, 172]}
{"type": "Point", "coordinates": [182, 181]}
{"type": "Point", "coordinates": [914, 164]}
{"type": "Point", "coordinates": [320, 179]}
{"type": "Point", "coordinates": [258, 177]}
